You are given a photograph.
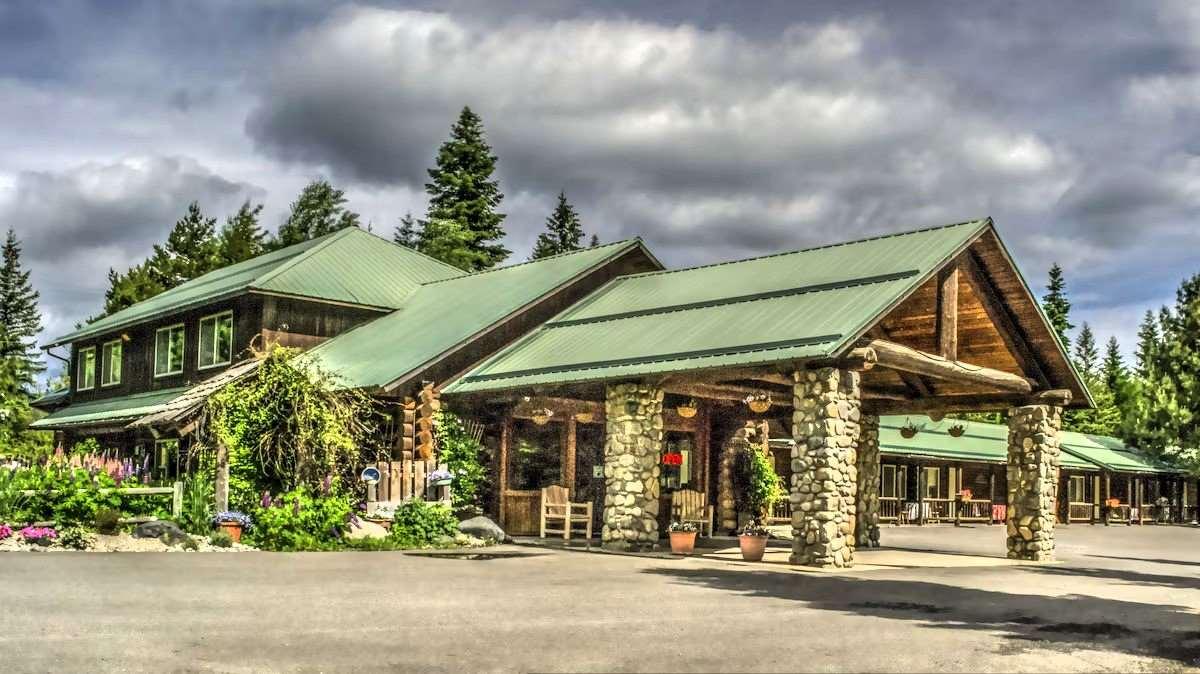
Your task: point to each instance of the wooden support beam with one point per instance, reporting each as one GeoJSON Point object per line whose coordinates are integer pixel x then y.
{"type": "Point", "coordinates": [947, 312]}
{"type": "Point", "coordinates": [974, 402]}
{"type": "Point", "coordinates": [915, 384]}
{"type": "Point", "coordinates": [769, 376]}
{"type": "Point", "coordinates": [905, 359]}
{"type": "Point", "coordinates": [998, 312]}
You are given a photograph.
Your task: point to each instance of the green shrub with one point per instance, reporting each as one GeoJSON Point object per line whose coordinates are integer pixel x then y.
{"type": "Point", "coordinates": [188, 543]}
{"type": "Point", "coordinates": [11, 498]}
{"type": "Point", "coordinates": [303, 519]}
{"type": "Point", "coordinates": [419, 524]}
{"type": "Point", "coordinates": [464, 458]}
{"type": "Point", "coordinates": [221, 539]}
{"type": "Point", "coordinates": [108, 521]}
{"type": "Point", "coordinates": [196, 516]}
{"type": "Point", "coordinates": [75, 538]}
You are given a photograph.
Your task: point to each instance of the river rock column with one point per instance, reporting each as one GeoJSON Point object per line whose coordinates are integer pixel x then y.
{"type": "Point", "coordinates": [826, 428]}
{"type": "Point", "coordinates": [633, 443]}
{"type": "Point", "coordinates": [1033, 461]}
{"type": "Point", "coordinates": [867, 530]}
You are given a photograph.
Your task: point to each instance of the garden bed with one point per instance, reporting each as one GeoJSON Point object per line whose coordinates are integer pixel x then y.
{"type": "Point", "coordinates": [122, 542]}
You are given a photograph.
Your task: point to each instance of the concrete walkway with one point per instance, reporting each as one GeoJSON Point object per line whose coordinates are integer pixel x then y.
{"type": "Point", "coordinates": [1122, 599]}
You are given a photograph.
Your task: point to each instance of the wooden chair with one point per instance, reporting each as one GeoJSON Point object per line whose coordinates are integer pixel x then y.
{"type": "Point", "coordinates": [557, 508]}
{"type": "Point", "coordinates": [688, 505]}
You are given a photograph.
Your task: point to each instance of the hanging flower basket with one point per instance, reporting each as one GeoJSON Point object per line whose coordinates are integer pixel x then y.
{"type": "Point", "coordinates": [908, 431]}
{"type": "Point", "coordinates": [585, 417]}
{"type": "Point", "coordinates": [957, 430]}
{"type": "Point", "coordinates": [758, 402]}
{"type": "Point", "coordinates": [688, 409]}
{"type": "Point", "coordinates": [542, 416]}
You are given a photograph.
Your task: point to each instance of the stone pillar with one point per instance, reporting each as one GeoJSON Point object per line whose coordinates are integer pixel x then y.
{"type": "Point", "coordinates": [742, 440]}
{"type": "Point", "coordinates": [1033, 460]}
{"type": "Point", "coordinates": [867, 530]}
{"type": "Point", "coordinates": [825, 426]}
{"type": "Point", "coordinates": [633, 443]}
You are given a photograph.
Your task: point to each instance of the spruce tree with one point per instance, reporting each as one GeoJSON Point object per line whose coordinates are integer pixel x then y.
{"type": "Point", "coordinates": [20, 318]}
{"type": "Point", "coordinates": [191, 250]}
{"type": "Point", "coordinates": [319, 210]}
{"type": "Point", "coordinates": [594, 242]}
{"type": "Point", "coordinates": [406, 233]}
{"type": "Point", "coordinates": [241, 238]}
{"type": "Point", "coordinates": [1086, 355]}
{"type": "Point", "coordinates": [124, 290]}
{"type": "Point", "coordinates": [563, 231]}
{"type": "Point", "coordinates": [461, 189]}
{"type": "Point", "coordinates": [1057, 306]}
{"type": "Point", "coordinates": [1147, 344]}
{"type": "Point", "coordinates": [1112, 368]}
{"type": "Point", "coordinates": [1104, 418]}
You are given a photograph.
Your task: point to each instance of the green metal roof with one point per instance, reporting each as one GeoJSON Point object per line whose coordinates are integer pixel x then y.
{"type": "Point", "coordinates": [108, 410]}
{"type": "Point", "coordinates": [444, 314]}
{"type": "Point", "coordinates": [980, 441]}
{"type": "Point", "coordinates": [1110, 454]}
{"type": "Point", "coordinates": [791, 306]}
{"type": "Point", "coordinates": [52, 398]}
{"type": "Point", "coordinates": [349, 265]}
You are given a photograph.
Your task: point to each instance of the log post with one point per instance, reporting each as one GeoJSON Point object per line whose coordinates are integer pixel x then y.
{"type": "Point", "coordinates": [947, 318]}
{"type": "Point", "coordinates": [221, 486]}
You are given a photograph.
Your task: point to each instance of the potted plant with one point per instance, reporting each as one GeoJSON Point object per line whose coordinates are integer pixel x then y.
{"type": "Point", "coordinates": [233, 523]}
{"type": "Point", "coordinates": [683, 537]}
{"type": "Point", "coordinates": [752, 540]}
{"type": "Point", "coordinates": [440, 478]}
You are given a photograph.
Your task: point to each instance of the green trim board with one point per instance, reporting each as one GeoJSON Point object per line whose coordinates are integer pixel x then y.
{"type": "Point", "coordinates": [108, 410]}
{"type": "Point", "coordinates": [803, 305]}
{"type": "Point", "coordinates": [444, 315]}
{"type": "Point", "coordinates": [350, 265]}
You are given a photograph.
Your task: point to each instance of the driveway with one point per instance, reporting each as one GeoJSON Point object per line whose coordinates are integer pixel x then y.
{"type": "Point", "coordinates": [1122, 599]}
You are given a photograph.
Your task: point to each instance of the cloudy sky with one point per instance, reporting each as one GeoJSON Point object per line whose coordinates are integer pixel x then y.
{"type": "Point", "coordinates": [714, 130]}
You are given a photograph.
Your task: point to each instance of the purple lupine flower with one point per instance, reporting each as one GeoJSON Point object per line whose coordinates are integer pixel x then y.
{"type": "Point", "coordinates": [266, 499]}
{"type": "Point", "coordinates": [326, 485]}
{"type": "Point", "coordinates": [362, 505]}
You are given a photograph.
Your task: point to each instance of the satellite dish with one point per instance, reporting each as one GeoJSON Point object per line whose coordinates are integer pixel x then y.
{"type": "Point", "coordinates": [369, 475]}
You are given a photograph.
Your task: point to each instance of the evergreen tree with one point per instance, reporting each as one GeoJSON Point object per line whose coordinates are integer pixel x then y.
{"type": "Point", "coordinates": [594, 242]}
{"type": "Point", "coordinates": [1105, 417]}
{"type": "Point", "coordinates": [406, 234]}
{"type": "Point", "coordinates": [19, 316]}
{"type": "Point", "coordinates": [241, 238]}
{"type": "Point", "coordinates": [1112, 368]}
{"type": "Point", "coordinates": [1057, 306]}
{"type": "Point", "coordinates": [191, 250]}
{"type": "Point", "coordinates": [450, 242]}
{"type": "Point", "coordinates": [461, 189]}
{"type": "Point", "coordinates": [1086, 355]}
{"type": "Point", "coordinates": [563, 231]}
{"type": "Point", "coordinates": [124, 290]}
{"type": "Point", "coordinates": [319, 210]}
{"type": "Point", "coordinates": [1147, 344]}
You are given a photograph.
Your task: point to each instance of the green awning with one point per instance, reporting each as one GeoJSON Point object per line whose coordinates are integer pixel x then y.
{"type": "Point", "coordinates": [982, 442]}
{"type": "Point", "coordinates": [108, 411]}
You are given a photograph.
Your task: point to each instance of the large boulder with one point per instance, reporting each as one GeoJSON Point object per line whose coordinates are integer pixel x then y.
{"type": "Point", "coordinates": [361, 528]}
{"type": "Point", "coordinates": [167, 532]}
{"type": "Point", "coordinates": [484, 528]}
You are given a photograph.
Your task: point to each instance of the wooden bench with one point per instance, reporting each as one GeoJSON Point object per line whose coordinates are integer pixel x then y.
{"type": "Point", "coordinates": [557, 508]}
{"type": "Point", "coordinates": [688, 505]}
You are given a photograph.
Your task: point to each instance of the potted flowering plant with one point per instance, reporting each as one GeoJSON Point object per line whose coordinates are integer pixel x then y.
{"type": "Point", "coordinates": [752, 540]}
{"type": "Point", "coordinates": [683, 537]}
{"type": "Point", "coordinates": [440, 478]}
{"type": "Point", "coordinates": [233, 523]}
{"type": "Point", "coordinates": [42, 536]}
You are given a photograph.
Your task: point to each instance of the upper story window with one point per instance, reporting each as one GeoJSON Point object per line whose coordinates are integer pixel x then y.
{"type": "Point", "coordinates": [216, 340]}
{"type": "Point", "coordinates": [168, 350]}
{"type": "Point", "coordinates": [110, 363]}
{"type": "Point", "coordinates": [87, 369]}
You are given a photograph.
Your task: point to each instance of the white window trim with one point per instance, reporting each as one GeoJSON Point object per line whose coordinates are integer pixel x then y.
{"type": "Point", "coordinates": [937, 481]}
{"type": "Point", "coordinates": [902, 482]}
{"type": "Point", "coordinates": [200, 340]}
{"type": "Point", "coordinates": [104, 371]}
{"type": "Point", "coordinates": [883, 471]}
{"type": "Point", "coordinates": [172, 373]}
{"type": "Point", "coordinates": [79, 369]}
{"type": "Point", "coordinates": [1082, 481]}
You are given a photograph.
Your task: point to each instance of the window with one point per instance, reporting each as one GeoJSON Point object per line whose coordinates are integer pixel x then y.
{"type": "Point", "coordinates": [887, 482]}
{"type": "Point", "coordinates": [168, 350]}
{"type": "Point", "coordinates": [535, 456]}
{"type": "Point", "coordinates": [932, 482]}
{"type": "Point", "coordinates": [216, 340]}
{"type": "Point", "coordinates": [902, 482]}
{"type": "Point", "coordinates": [87, 369]}
{"type": "Point", "coordinates": [110, 363]}
{"type": "Point", "coordinates": [1076, 489]}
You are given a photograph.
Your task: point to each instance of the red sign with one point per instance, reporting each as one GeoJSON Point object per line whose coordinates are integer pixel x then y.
{"type": "Point", "coordinates": [673, 459]}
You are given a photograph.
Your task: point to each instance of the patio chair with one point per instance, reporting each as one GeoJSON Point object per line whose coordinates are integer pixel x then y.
{"type": "Point", "coordinates": [557, 508]}
{"type": "Point", "coordinates": [689, 505]}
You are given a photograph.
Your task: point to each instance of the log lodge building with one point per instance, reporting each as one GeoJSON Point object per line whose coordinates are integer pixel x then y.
{"type": "Point", "coordinates": [586, 369]}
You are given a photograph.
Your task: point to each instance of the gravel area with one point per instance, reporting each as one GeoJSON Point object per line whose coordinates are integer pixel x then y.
{"type": "Point", "coordinates": [122, 542]}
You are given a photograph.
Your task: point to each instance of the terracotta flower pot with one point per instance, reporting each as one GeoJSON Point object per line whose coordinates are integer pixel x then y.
{"type": "Point", "coordinates": [683, 542]}
{"type": "Point", "coordinates": [753, 547]}
{"type": "Point", "coordinates": [233, 529]}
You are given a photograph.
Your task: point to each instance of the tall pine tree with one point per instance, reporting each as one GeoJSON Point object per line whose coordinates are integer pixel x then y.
{"type": "Point", "coordinates": [1147, 344]}
{"type": "Point", "coordinates": [563, 231]}
{"type": "Point", "coordinates": [319, 210]}
{"type": "Point", "coordinates": [20, 318]}
{"type": "Point", "coordinates": [1112, 368]}
{"type": "Point", "coordinates": [1086, 355]}
{"type": "Point", "coordinates": [406, 234]}
{"type": "Point", "coordinates": [1105, 417]}
{"type": "Point", "coordinates": [191, 250]}
{"type": "Point", "coordinates": [1057, 306]}
{"type": "Point", "coordinates": [461, 190]}
{"type": "Point", "coordinates": [241, 238]}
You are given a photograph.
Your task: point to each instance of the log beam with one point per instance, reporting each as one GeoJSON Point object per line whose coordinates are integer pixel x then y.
{"type": "Point", "coordinates": [902, 358]}
{"type": "Point", "coordinates": [915, 384]}
{"type": "Point", "coordinates": [947, 312]}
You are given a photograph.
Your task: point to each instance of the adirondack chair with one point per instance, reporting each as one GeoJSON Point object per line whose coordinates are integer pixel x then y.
{"type": "Point", "coordinates": [688, 505]}
{"type": "Point", "coordinates": [557, 508]}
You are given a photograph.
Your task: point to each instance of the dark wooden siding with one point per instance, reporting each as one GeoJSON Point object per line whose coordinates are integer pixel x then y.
{"type": "Point", "coordinates": [312, 319]}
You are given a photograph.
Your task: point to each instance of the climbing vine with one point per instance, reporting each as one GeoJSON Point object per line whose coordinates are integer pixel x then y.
{"type": "Point", "coordinates": [463, 456]}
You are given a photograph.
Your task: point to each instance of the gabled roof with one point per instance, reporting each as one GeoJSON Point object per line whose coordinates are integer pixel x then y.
{"type": "Point", "coordinates": [350, 265]}
{"type": "Point", "coordinates": [443, 315]}
{"type": "Point", "coordinates": [108, 411]}
{"type": "Point", "coordinates": [794, 306]}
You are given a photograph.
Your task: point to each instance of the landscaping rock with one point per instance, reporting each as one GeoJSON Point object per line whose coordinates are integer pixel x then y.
{"type": "Point", "coordinates": [167, 532]}
{"type": "Point", "coordinates": [482, 527]}
{"type": "Point", "coordinates": [365, 529]}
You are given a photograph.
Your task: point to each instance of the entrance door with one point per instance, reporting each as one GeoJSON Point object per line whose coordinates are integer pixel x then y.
{"type": "Point", "coordinates": [534, 461]}
{"type": "Point", "coordinates": [589, 470]}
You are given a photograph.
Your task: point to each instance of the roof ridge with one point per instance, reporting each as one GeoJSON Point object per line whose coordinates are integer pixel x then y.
{"type": "Point", "coordinates": [636, 239]}
{"type": "Point", "coordinates": [416, 252]}
{"type": "Point", "coordinates": [893, 235]}
{"type": "Point", "coordinates": [304, 255]}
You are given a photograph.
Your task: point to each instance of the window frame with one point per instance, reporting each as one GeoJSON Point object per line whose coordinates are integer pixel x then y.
{"type": "Point", "coordinates": [182, 356]}
{"type": "Point", "coordinates": [79, 368]}
{"type": "Point", "coordinates": [936, 471]}
{"type": "Point", "coordinates": [120, 360]}
{"type": "Point", "coordinates": [200, 340]}
{"type": "Point", "coordinates": [1081, 480]}
{"type": "Point", "coordinates": [884, 483]}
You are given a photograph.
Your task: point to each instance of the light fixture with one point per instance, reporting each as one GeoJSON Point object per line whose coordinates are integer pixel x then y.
{"type": "Point", "coordinates": [687, 410]}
